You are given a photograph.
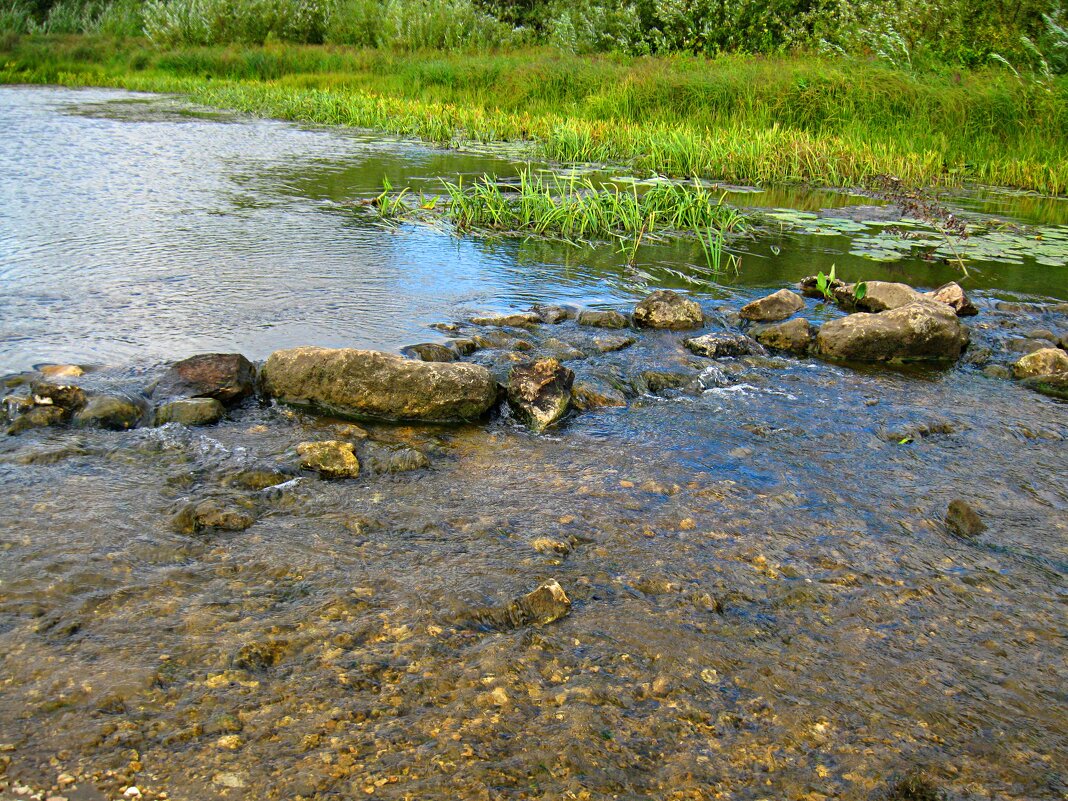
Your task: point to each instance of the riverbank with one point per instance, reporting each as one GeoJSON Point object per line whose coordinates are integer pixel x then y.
{"type": "Point", "coordinates": [738, 119]}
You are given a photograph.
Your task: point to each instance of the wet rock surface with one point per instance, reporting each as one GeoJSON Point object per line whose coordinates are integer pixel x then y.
{"type": "Point", "coordinates": [883, 296]}
{"type": "Point", "coordinates": [1046, 361]}
{"type": "Point", "coordinates": [326, 637]}
{"type": "Point", "coordinates": [190, 412]}
{"type": "Point", "coordinates": [330, 458]}
{"type": "Point", "coordinates": [794, 336]}
{"type": "Point", "coordinates": [539, 392]}
{"type": "Point", "coordinates": [226, 377]}
{"type": "Point", "coordinates": [722, 344]}
{"type": "Point", "coordinates": [921, 331]}
{"type": "Point", "coordinates": [954, 296]}
{"type": "Point", "coordinates": [774, 307]}
{"type": "Point", "coordinates": [113, 412]}
{"type": "Point", "coordinates": [599, 318]}
{"type": "Point", "coordinates": [667, 309]}
{"type": "Point", "coordinates": [378, 385]}
{"type": "Point", "coordinates": [431, 352]}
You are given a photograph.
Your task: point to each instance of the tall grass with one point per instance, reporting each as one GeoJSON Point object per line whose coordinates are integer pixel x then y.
{"type": "Point", "coordinates": [735, 119]}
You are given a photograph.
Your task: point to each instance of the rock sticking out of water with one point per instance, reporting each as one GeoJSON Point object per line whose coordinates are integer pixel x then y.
{"type": "Point", "coordinates": [330, 458]}
{"type": "Point", "coordinates": [774, 307]}
{"type": "Point", "coordinates": [667, 309]}
{"type": "Point", "coordinates": [884, 296]}
{"type": "Point", "coordinates": [54, 371]}
{"type": "Point", "coordinates": [371, 384]}
{"type": "Point", "coordinates": [191, 412]}
{"type": "Point", "coordinates": [226, 377]}
{"type": "Point", "coordinates": [552, 315]}
{"type": "Point", "coordinates": [540, 392]}
{"type": "Point", "coordinates": [508, 320]}
{"type": "Point", "coordinates": [113, 412]}
{"type": "Point", "coordinates": [1043, 362]}
{"type": "Point", "coordinates": [1056, 386]}
{"type": "Point", "coordinates": [547, 604]}
{"type": "Point", "coordinates": [920, 331]}
{"type": "Point", "coordinates": [594, 393]}
{"type": "Point", "coordinates": [723, 344]}
{"type": "Point", "coordinates": [963, 520]}
{"type": "Point", "coordinates": [37, 417]}
{"type": "Point", "coordinates": [953, 296]}
{"type": "Point", "coordinates": [793, 336]}
{"type": "Point", "coordinates": [67, 397]}
{"type": "Point", "coordinates": [431, 352]}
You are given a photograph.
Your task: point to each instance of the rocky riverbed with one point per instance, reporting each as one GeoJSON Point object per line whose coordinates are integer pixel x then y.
{"type": "Point", "coordinates": [805, 547]}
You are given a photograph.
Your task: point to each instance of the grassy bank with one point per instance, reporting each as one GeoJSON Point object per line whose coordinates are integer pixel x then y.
{"type": "Point", "coordinates": [735, 118]}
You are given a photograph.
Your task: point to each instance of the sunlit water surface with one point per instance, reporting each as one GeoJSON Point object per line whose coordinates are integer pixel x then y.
{"type": "Point", "coordinates": [766, 602]}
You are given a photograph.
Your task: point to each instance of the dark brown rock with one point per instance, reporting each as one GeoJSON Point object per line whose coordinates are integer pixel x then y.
{"type": "Point", "coordinates": [226, 377]}
{"type": "Point", "coordinates": [963, 520]}
{"type": "Point", "coordinates": [774, 307]}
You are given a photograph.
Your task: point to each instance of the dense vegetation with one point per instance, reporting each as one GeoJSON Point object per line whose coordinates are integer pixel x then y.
{"type": "Point", "coordinates": [782, 90]}
{"type": "Point", "coordinates": [1025, 35]}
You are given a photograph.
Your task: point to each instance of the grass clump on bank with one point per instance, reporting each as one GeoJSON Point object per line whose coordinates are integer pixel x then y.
{"type": "Point", "coordinates": [739, 119]}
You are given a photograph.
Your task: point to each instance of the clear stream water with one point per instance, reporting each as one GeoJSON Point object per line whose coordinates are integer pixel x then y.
{"type": "Point", "coordinates": [766, 601]}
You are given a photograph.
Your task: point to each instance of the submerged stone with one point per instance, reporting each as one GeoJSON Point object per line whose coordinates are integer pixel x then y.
{"type": "Point", "coordinates": [68, 397]}
{"type": "Point", "coordinates": [963, 520]}
{"type": "Point", "coordinates": [598, 318]}
{"type": "Point", "coordinates": [212, 514]}
{"type": "Point", "coordinates": [594, 394]}
{"type": "Point", "coordinates": [667, 309]}
{"type": "Point", "coordinates": [657, 381]}
{"type": "Point", "coordinates": [53, 371]}
{"type": "Point", "coordinates": [722, 344]}
{"type": "Point", "coordinates": [330, 458]}
{"type": "Point", "coordinates": [547, 604]}
{"type": "Point", "coordinates": [612, 343]}
{"type": "Point", "coordinates": [226, 377]}
{"type": "Point", "coordinates": [371, 384]}
{"type": "Point", "coordinates": [113, 412]}
{"type": "Point", "coordinates": [540, 392]}
{"type": "Point", "coordinates": [396, 459]}
{"type": "Point", "coordinates": [771, 308]}
{"type": "Point", "coordinates": [191, 412]}
{"type": "Point", "coordinates": [38, 417]}
{"type": "Point", "coordinates": [508, 320]}
{"type": "Point", "coordinates": [920, 331]}
{"type": "Point", "coordinates": [1047, 361]}
{"type": "Point", "coordinates": [1056, 386]}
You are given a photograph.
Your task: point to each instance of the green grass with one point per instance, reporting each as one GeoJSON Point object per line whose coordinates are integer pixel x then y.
{"type": "Point", "coordinates": [739, 119]}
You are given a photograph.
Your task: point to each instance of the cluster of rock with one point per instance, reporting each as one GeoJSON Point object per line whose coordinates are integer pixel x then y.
{"type": "Point", "coordinates": [194, 391]}
{"type": "Point", "coordinates": [888, 322]}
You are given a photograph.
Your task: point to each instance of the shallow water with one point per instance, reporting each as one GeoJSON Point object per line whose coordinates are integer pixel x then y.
{"type": "Point", "coordinates": [766, 602]}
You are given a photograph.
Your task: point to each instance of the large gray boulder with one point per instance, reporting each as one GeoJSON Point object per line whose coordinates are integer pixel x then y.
{"type": "Point", "coordinates": [921, 331]}
{"type": "Point", "coordinates": [375, 385]}
{"type": "Point", "coordinates": [667, 309]}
